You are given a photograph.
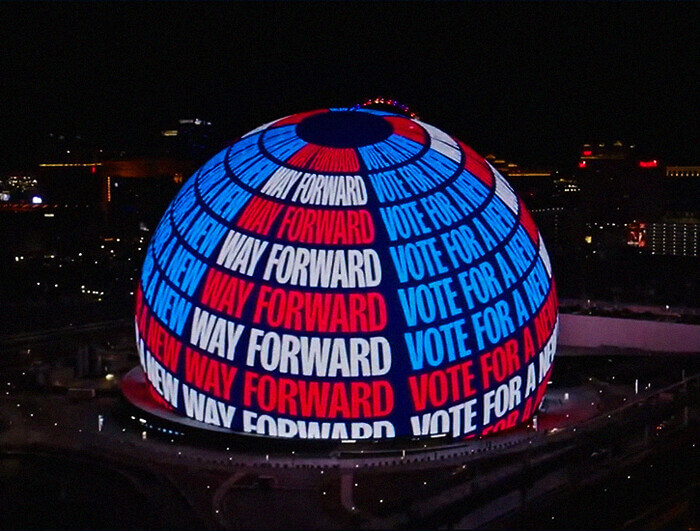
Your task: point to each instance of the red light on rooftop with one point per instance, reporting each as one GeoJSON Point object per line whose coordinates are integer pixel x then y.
{"type": "Point", "coordinates": [587, 152]}
{"type": "Point", "coordinates": [582, 164]}
{"type": "Point", "coordinates": [648, 163]}
{"type": "Point", "coordinates": [93, 169]}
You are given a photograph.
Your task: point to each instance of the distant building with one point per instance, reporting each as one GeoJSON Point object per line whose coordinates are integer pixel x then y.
{"type": "Point", "coordinates": [673, 238]}
{"type": "Point", "coordinates": [192, 139]}
{"type": "Point", "coordinates": [139, 189]}
{"type": "Point", "coordinates": [679, 172]}
{"type": "Point", "coordinates": [678, 231]}
{"type": "Point", "coordinates": [551, 199]}
{"type": "Point", "coordinates": [537, 187]}
{"type": "Point", "coordinates": [618, 185]}
{"type": "Point", "coordinates": [71, 169]}
{"type": "Point", "coordinates": [70, 182]}
{"type": "Point", "coordinates": [682, 190]}
{"type": "Point", "coordinates": [667, 238]}
{"type": "Point", "coordinates": [19, 188]}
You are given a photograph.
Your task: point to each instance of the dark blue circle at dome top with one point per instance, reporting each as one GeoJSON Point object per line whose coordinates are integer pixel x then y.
{"type": "Point", "coordinates": [348, 274]}
{"type": "Point", "coordinates": [344, 129]}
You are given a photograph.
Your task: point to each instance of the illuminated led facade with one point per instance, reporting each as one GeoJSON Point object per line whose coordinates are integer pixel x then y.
{"type": "Point", "coordinates": [348, 274]}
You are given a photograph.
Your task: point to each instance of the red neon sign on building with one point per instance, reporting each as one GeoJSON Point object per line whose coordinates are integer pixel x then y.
{"type": "Point", "coordinates": [648, 163]}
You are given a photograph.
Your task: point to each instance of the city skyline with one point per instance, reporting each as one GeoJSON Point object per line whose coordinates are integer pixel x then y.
{"type": "Point", "coordinates": [529, 82]}
{"type": "Point", "coordinates": [487, 318]}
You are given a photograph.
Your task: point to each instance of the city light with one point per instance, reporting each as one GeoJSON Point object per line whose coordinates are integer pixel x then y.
{"type": "Point", "coordinates": [349, 301]}
{"type": "Point", "coordinates": [69, 164]}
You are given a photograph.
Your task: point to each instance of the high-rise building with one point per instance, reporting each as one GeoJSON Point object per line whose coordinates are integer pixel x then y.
{"type": "Point", "coordinates": [678, 231]}
{"type": "Point", "coordinates": [682, 190]}
{"type": "Point", "coordinates": [673, 238]}
{"type": "Point", "coordinates": [192, 139]}
{"type": "Point", "coordinates": [551, 198]}
{"type": "Point", "coordinates": [618, 185]}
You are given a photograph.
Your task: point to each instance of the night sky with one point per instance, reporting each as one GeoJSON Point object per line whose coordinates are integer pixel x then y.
{"type": "Point", "coordinates": [527, 81]}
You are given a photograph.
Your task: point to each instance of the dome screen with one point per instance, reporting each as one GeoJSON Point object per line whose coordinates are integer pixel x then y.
{"type": "Point", "coordinates": [344, 275]}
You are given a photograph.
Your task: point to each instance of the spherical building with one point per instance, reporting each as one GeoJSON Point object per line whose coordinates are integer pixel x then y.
{"type": "Point", "coordinates": [348, 274]}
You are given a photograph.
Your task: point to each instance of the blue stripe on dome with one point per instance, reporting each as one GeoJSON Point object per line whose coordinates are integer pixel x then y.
{"type": "Point", "coordinates": [521, 236]}
{"type": "Point", "coordinates": [282, 142]}
{"type": "Point", "coordinates": [374, 157]}
{"type": "Point", "coordinates": [185, 270]}
{"type": "Point", "coordinates": [389, 186]}
{"type": "Point", "coordinates": [253, 171]}
{"type": "Point", "coordinates": [243, 151]}
{"type": "Point", "coordinates": [245, 147]}
{"type": "Point", "coordinates": [437, 163]}
{"type": "Point", "coordinates": [401, 143]}
{"type": "Point", "coordinates": [390, 152]}
{"type": "Point", "coordinates": [212, 163]}
{"type": "Point", "coordinates": [471, 190]}
{"type": "Point", "coordinates": [185, 201]}
{"type": "Point", "coordinates": [229, 201]}
{"type": "Point", "coordinates": [224, 197]}
{"type": "Point", "coordinates": [422, 180]}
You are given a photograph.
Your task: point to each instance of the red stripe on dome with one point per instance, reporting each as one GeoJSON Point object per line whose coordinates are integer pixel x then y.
{"type": "Point", "coordinates": [163, 345]}
{"type": "Point", "coordinates": [407, 128]}
{"type": "Point", "coordinates": [528, 223]}
{"type": "Point", "coordinates": [326, 226]}
{"type": "Point", "coordinates": [546, 318]}
{"type": "Point", "coordinates": [296, 118]}
{"type": "Point", "coordinates": [476, 165]}
{"type": "Point", "coordinates": [259, 215]}
{"type": "Point", "coordinates": [313, 311]}
{"type": "Point", "coordinates": [226, 293]}
{"type": "Point", "coordinates": [325, 159]}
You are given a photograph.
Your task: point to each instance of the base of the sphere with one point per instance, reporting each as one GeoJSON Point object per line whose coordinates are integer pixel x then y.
{"type": "Point", "coordinates": [157, 417]}
{"type": "Point", "coordinates": [137, 391]}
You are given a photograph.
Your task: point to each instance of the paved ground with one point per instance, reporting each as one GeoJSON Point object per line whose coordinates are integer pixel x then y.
{"type": "Point", "coordinates": [170, 483]}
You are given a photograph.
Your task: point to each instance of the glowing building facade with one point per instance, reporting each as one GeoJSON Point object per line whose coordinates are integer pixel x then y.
{"type": "Point", "coordinates": [348, 274]}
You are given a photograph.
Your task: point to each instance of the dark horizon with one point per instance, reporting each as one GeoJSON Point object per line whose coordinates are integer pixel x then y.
{"type": "Point", "coordinates": [529, 82]}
